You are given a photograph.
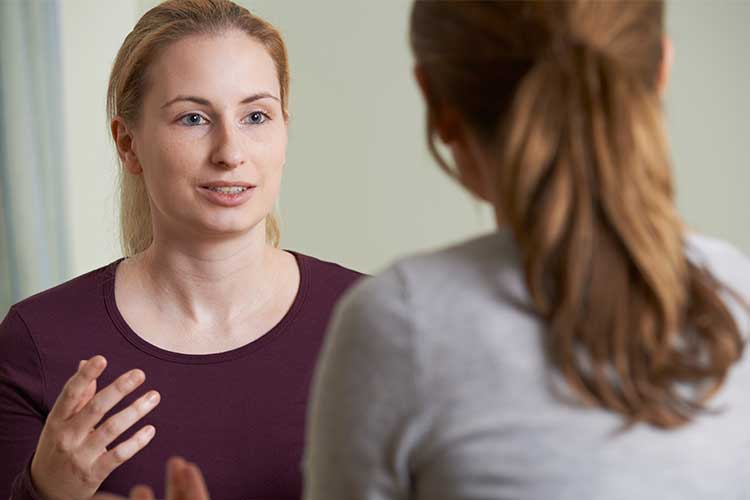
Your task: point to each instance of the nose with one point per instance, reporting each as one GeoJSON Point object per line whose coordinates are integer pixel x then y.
{"type": "Point", "coordinates": [228, 152]}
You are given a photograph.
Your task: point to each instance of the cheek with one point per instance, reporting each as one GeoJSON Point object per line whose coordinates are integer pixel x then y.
{"type": "Point", "coordinates": [272, 154]}
{"type": "Point", "coordinates": [176, 152]}
{"type": "Point", "coordinates": [166, 165]}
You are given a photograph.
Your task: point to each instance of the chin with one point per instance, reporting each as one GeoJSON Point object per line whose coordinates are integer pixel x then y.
{"type": "Point", "coordinates": [233, 226]}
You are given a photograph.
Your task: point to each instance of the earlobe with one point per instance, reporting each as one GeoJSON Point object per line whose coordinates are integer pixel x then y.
{"type": "Point", "coordinates": [424, 88]}
{"type": "Point", "coordinates": [443, 121]}
{"type": "Point", "coordinates": [470, 161]}
{"type": "Point", "coordinates": [132, 164]}
{"type": "Point", "coordinates": [125, 147]}
{"type": "Point", "coordinates": [665, 67]}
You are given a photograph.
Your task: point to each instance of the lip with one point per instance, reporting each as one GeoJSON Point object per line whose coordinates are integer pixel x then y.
{"type": "Point", "coordinates": [215, 184]}
{"type": "Point", "coordinates": [226, 199]}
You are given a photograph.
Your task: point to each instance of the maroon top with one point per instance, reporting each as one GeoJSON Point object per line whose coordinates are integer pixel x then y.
{"type": "Point", "coordinates": [239, 414]}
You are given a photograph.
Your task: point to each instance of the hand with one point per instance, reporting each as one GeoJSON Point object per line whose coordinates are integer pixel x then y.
{"type": "Point", "coordinates": [71, 459]}
{"type": "Point", "coordinates": [184, 482]}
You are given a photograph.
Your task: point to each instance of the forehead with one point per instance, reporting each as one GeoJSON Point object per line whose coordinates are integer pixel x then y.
{"type": "Point", "coordinates": [224, 66]}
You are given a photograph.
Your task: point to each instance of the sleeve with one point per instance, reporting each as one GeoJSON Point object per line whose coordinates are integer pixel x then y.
{"type": "Point", "coordinates": [22, 413]}
{"type": "Point", "coordinates": [360, 433]}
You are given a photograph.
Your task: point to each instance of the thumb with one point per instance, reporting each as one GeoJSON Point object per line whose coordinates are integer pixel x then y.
{"type": "Point", "coordinates": [141, 492]}
{"type": "Point", "coordinates": [194, 486]}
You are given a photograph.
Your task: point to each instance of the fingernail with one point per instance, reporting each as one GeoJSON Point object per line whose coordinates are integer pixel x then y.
{"type": "Point", "coordinates": [81, 363]}
{"type": "Point", "coordinates": [149, 431]}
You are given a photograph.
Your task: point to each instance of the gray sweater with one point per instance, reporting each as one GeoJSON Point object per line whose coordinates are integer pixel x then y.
{"type": "Point", "coordinates": [433, 386]}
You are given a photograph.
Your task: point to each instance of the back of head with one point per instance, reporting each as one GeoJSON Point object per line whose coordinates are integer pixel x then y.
{"type": "Point", "coordinates": [565, 97]}
{"type": "Point", "coordinates": [161, 26]}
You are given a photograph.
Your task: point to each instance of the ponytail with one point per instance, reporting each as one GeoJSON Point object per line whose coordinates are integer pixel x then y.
{"type": "Point", "coordinates": [564, 95]}
{"type": "Point", "coordinates": [587, 191]}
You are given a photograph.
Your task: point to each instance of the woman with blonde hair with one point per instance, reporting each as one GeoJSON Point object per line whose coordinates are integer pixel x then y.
{"type": "Point", "coordinates": [225, 325]}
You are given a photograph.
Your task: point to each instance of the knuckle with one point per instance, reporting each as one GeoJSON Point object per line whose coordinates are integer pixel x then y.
{"type": "Point", "coordinates": [123, 384]}
{"type": "Point", "coordinates": [69, 395]}
{"type": "Point", "coordinates": [143, 407]}
{"type": "Point", "coordinates": [96, 407]}
{"type": "Point", "coordinates": [142, 439]}
{"type": "Point", "coordinates": [111, 428]}
{"type": "Point", "coordinates": [63, 445]}
{"type": "Point", "coordinates": [132, 414]}
{"type": "Point", "coordinates": [119, 454]}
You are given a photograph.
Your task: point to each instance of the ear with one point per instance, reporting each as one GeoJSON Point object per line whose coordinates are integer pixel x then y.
{"type": "Point", "coordinates": [453, 132]}
{"type": "Point", "coordinates": [123, 138]}
{"type": "Point", "coordinates": [665, 68]}
{"type": "Point", "coordinates": [472, 163]}
{"type": "Point", "coordinates": [447, 122]}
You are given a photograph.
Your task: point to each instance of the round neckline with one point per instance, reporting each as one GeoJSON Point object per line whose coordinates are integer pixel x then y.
{"type": "Point", "coordinates": [277, 331]}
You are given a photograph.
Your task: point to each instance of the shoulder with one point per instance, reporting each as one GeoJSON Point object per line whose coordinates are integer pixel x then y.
{"type": "Point", "coordinates": [726, 262]}
{"type": "Point", "coordinates": [326, 276]}
{"type": "Point", "coordinates": [42, 329]}
{"type": "Point", "coordinates": [730, 267]}
{"type": "Point", "coordinates": [67, 297]}
{"type": "Point", "coordinates": [64, 306]}
{"type": "Point", "coordinates": [471, 270]}
{"type": "Point", "coordinates": [438, 285]}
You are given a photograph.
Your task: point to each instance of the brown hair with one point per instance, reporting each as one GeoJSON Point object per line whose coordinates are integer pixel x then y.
{"type": "Point", "coordinates": [566, 96]}
{"type": "Point", "coordinates": [164, 24]}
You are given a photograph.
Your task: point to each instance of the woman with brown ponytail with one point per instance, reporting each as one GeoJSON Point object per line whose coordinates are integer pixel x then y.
{"type": "Point", "coordinates": [591, 348]}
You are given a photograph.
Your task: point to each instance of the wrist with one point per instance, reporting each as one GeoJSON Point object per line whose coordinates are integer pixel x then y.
{"type": "Point", "coordinates": [36, 487]}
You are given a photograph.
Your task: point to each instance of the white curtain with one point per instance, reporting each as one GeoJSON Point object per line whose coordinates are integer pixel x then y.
{"type": "Point", "coordinates": [33, 249]}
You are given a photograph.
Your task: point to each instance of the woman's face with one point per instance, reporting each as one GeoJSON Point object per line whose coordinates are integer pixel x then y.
{"type": "Point", "coordinates": [211, 139]}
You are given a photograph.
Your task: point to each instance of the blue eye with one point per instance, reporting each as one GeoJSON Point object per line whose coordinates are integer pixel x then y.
{"type": "Point", "coordinates": [193, 119]}
{"type": "Point", "coordinates": [256, 118]}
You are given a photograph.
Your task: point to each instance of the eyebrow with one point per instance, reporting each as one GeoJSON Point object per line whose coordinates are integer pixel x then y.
{"type": "Point", "coordinates": [206, 102]}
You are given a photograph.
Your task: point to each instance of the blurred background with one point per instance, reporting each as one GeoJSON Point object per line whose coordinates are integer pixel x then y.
{"type": "Point", "coordinates": [359, 187]}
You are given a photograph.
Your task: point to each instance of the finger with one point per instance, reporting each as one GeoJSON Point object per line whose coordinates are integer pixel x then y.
{"type": "Point", "coordinates": [193, 483]}
{"type": "Point", "coordinates": [107, 496]}
{"type": "Point", "coordinates": [106, 399]}
{"type": "Point", "coordinates": [109, 461]}
{"type": "Point", "coordinates": [174, 472]}
{"type": "Point", "coordinates": [87, 394]}
{"type": "Point", "coordinates": [118, 423]}
{"type": "Point", "coordinates": [76, 386]}
{"type": "Point", "coordinates": [141, 492]}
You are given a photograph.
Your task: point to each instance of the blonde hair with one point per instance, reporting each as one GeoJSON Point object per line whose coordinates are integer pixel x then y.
{"type": "Point", "coordinates": [161, 26]}
{"type": "Point", "coordinates": [565, 94]}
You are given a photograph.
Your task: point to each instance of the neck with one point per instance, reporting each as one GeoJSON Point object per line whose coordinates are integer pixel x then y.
{"type": "Point", "coordinates": [207, 281]}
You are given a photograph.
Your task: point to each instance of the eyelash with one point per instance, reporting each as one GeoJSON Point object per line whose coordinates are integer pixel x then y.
{"type": "Point", "coordinates": [183, 118]}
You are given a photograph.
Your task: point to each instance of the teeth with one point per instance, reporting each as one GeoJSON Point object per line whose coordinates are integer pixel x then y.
{"type": "Point", "coordinates": [229, 189]}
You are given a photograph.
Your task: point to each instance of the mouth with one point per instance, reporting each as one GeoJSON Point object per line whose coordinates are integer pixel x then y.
{"type": "Point", "coordinates": [227, 194]}
{"type": "Point", "coordinates": [227, 187]}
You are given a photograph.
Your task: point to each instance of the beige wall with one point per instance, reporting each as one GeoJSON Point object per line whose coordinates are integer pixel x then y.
{"type": "Point", "coordinates": [707, 113]}
{"type": "Point", "coordinates": [92, 31]}
{"type": "Point", "coordinates": [360, 187]}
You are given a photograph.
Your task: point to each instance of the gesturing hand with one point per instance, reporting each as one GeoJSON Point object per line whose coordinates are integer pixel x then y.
{"type": "Point", "coordinates": [184, 482]}
{"type": "Point", "coordinates": [71, 458]}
